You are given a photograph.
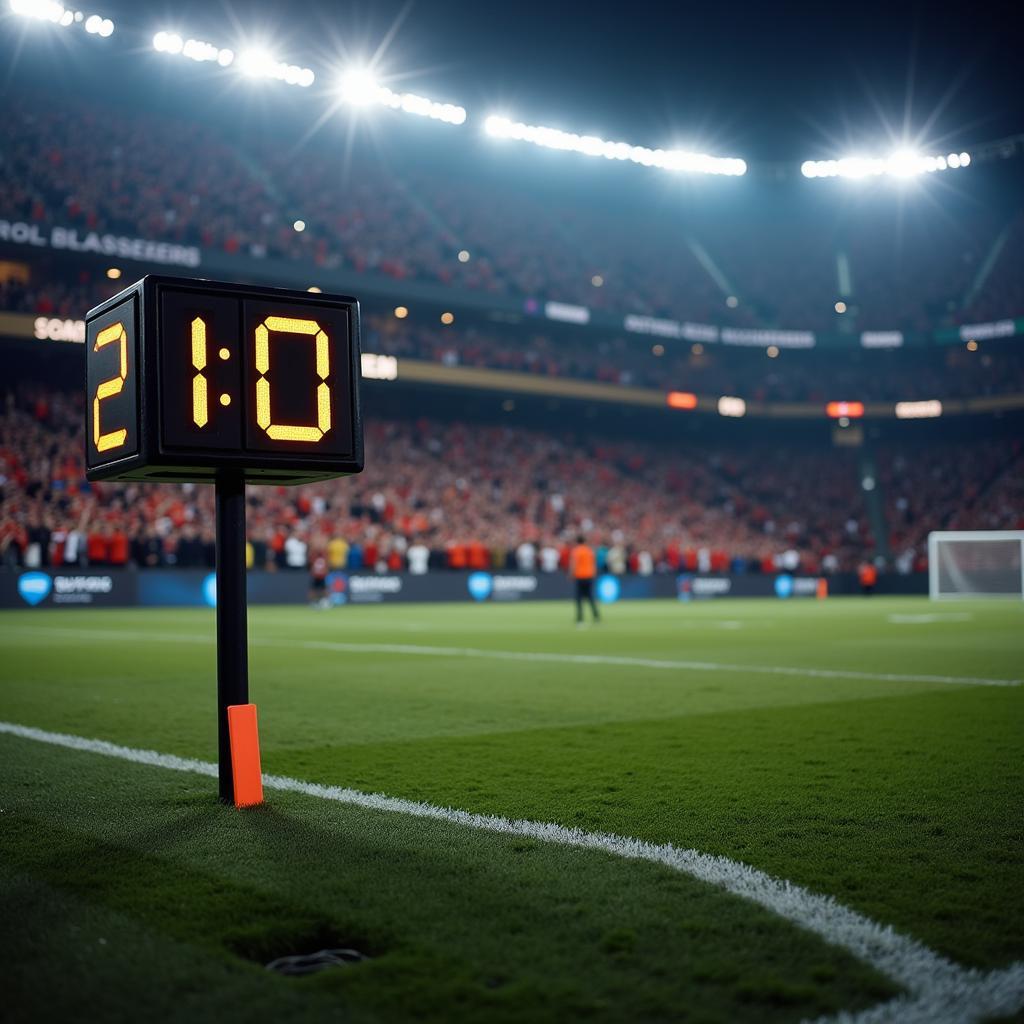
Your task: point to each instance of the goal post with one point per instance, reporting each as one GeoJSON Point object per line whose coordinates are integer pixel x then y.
{"type": "Point", "coordinates": [975, 563]}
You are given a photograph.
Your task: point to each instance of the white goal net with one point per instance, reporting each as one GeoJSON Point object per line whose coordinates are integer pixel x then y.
{"type": "Point", "coordinates": [984, 563]}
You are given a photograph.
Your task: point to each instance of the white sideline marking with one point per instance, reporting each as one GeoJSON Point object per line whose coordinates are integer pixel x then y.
{"type": "Point", "coordinates": [419, 650]}
{"type": "Point", "coordinates": [927, 617]}
{"type": "Point", "coordinates": [940, 991]}
{"type": "Point", "coordinates": [657, 663]}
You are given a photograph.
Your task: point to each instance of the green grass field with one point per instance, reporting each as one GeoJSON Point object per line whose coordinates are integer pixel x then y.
{"type": "Point", "coordinates": [127, 890]}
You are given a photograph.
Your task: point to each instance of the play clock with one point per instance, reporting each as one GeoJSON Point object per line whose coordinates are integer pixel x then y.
{"type": "Point", "coordinates": [187, 380]}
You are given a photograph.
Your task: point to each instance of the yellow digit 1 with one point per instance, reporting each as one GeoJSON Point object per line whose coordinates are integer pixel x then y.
{"type": "Point", "coordinates": [291, 431]}
{"type": "Point", "coordinates": [109, 388]}
{"type": "Point", "coordinates": [200, 401]}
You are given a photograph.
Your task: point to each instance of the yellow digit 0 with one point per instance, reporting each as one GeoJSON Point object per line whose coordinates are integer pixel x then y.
{"type": "Point", "coordinates": [292, 431]}
{"type": "Point", "coordinates": [109, 388]}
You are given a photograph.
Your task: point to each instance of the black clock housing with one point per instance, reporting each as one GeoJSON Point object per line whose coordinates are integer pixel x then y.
{"type": "Point", "coordinates": [187, 379]}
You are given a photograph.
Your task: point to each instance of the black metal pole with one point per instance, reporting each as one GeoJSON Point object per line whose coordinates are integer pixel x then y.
{"type": "Point", "coordinates": [232, 640]}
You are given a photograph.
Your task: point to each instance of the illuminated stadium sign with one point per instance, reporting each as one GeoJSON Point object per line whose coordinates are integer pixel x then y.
{"type": "Point", "coordinates": [124, 247]}
{"type": "Point", "coordinates": [983, 332]}
{"type": "Point", "coordinates": [378, 367]}
{"type": "Point", "coordinates": [839, 410]}
{"type": "Point", "coordinates": [681, 400]}
{"type": "Point", "coordinates": [881, 339]}
{"type": "Point", "coordinates": [567, 312]}
{"type": "Point", "coordinates": [928, 409]}
{"type": "Point", "coordinates": [662, 328]}
{"type": "Point", "coordinates": [188, 379]}
{"type": "Point", "coordinates": [48, 328]}
{"type": "Point", "coordinates": [755, 336]}
{"type": "Point", "coordinates": [730, 405]}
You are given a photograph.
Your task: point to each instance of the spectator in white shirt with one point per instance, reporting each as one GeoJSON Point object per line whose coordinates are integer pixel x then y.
{"type": "Point", "coordinates": [617, 559]}
{"type": "Point", "coordinates": [295, 552]}
{"type": "Point", "coordinates": [526, 556]}
{"type": "Point", "coordinates": [549, 558]}
{"type": "Point", "coordinates": [419, 558]}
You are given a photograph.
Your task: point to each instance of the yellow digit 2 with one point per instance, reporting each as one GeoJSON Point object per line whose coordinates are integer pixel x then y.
{"type": "Point", "coordinates": [292, 431]}
{"type": "Point", "coordinates": [200, 401]}
{"type": "Point", "coordinates": [109, 388]}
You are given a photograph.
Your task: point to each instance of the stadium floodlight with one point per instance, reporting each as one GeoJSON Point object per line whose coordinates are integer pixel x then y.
{"type": "Point", "coordinates": [57, 14]}
{"type": "Point", "coordinates": [168, 42]}
{"type": "Point", "coordinates": [904, 163]}
{"type": "Point", "coordinates": [99, 26]}
{"type": "Point", "coordinates": [195, 49]}
{"type": "Point", "coordinates": [201, 51]}
{"type": "Point", "coordinates": [43, 10]}
{"type": "Point", "coordinates": [591, 145]}
{"type": "Point", "coordinates": [410, 103]}
{"type": "Point", "coordinates": [359, 88]}
{"type": "Point", "coordinates": [260, 63]}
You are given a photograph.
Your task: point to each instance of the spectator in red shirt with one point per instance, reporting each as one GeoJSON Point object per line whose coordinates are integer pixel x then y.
{"type": "Point", "coordinates": [117, 548]}
{"type": "Point", "coordinates": [479, 556]}
{"type": "Point", "coordinates": [96, 549]}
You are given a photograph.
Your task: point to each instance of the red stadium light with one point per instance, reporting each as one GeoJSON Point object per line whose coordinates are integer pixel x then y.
{"type": "Point", "coordinates": [681, 400]}
{"type": "Point", "coordinates": [837, 410]}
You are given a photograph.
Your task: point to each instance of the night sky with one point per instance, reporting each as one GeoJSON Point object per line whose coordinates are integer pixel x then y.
{"type": "Point", "coordinates": [761, 81]}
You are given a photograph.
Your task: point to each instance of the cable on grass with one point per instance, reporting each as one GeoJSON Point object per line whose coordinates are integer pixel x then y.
{"type": "Point", "coordinates": [311, 963]}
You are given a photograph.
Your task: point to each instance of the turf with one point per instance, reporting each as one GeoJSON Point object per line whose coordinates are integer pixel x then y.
{"type": "Point", "coordinates": [901, 798]}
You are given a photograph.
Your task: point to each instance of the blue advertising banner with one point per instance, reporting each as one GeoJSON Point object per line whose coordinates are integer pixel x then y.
{"type": "Point", "coordinates": [197, 588]}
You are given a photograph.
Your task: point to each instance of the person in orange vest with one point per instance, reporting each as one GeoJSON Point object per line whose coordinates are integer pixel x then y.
{"type": "Point", "coordinates": [868, 576]}
{"type": "Point", "coordinates": [583, 569]}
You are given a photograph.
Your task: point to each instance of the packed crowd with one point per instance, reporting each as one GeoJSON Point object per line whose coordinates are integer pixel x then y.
{"type": "Point", "coordinates": [467, 496]}
{"type": "Point", "coordinates": [167, 179]}
{"type": "Point", "coordinates": [45, 292]}
{"type": "Point", "coordinates": [973, 486]}
{"type": "Point", "coordinates": [453, 496]}
{"type": "Point", "coordinates": [945, 372]}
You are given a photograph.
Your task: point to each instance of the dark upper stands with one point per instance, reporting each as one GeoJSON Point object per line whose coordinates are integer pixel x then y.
{"type": "Point", "coordinates": [157, 177]}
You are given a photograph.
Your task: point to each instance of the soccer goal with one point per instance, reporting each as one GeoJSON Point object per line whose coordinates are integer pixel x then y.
{"type": "Point", "coordinates": [981, 563]}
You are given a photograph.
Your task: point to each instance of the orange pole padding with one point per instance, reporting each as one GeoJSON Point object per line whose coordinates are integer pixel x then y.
{"type": "Point", "coordinates": [822, 587]}
{"type": "Point", "coordinates": [245, 755]}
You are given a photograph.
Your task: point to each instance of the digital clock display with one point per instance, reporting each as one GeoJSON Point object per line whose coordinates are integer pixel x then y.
{"type": "Point", "coordinates": [189, 378]}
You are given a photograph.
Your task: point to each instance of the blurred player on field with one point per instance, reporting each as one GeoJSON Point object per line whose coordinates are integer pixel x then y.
{"type": "Point", "coordinates": [318, 570]}
{"type": "Point", "coordinates": [867, 574]}
{"type": "Point", "coordinates": [583, 569]}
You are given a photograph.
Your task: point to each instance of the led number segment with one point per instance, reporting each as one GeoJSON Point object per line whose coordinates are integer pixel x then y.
{"type": "Point", "coordinates": [289, 431]}
{"type": "Point", "coordinates": [109, 388]}
{"type": "Point", "coordinates": [200, 400]}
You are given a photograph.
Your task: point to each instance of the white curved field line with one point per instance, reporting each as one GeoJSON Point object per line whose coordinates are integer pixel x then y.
{"type": "Point", "coordinates": [431, 650]}
{"type": "Point", "coordinates": [938, 990]}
